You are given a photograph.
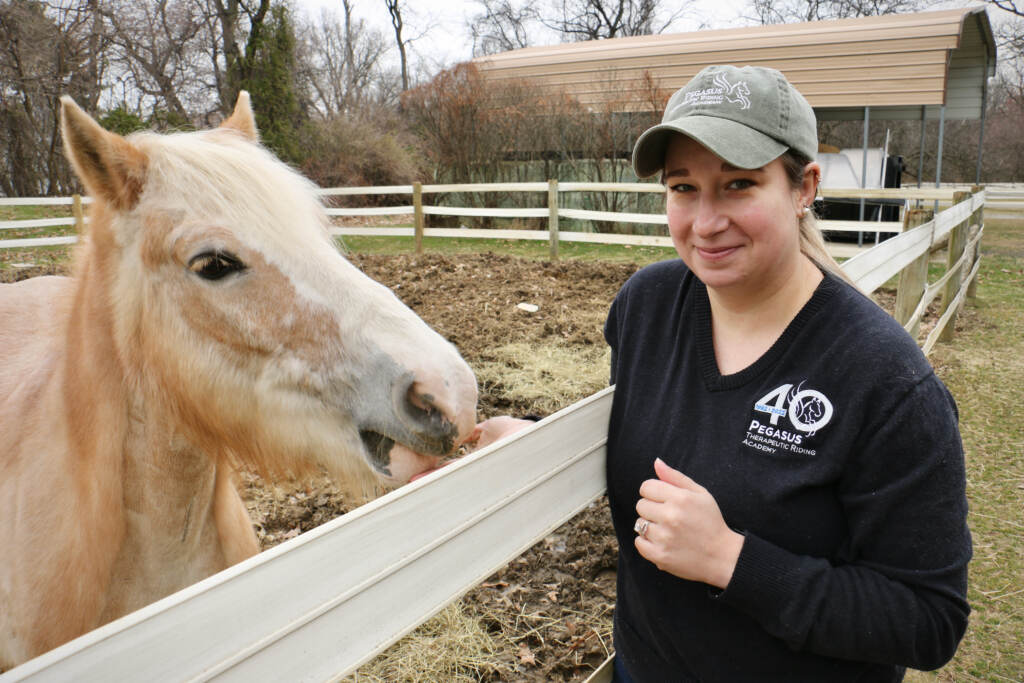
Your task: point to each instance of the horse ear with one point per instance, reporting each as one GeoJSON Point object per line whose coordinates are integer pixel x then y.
{"type": "Point", "coordinates": [109, 166]}
{"type": "Point", "coordinates": [242, 118]}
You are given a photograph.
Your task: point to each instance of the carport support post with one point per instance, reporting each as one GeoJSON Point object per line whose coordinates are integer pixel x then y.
{"type": "Point", "coordinates": [417, 215]}
{"type": "Point", "coordinates": [938, 154]}
{"type": "Point", "coordinates": [553, 216]}
{"type": "Point", "coordinates": [954, 250]}
{"type": "Point", "coordinates": [914, 277]}
{"type": "Point", "coordinates": [864, 171]}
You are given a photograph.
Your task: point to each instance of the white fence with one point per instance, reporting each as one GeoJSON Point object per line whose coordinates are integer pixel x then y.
{"type": "Point", "coordinates": [321, 604]}
{"type": "Point", "coordinates": [1010, 196]}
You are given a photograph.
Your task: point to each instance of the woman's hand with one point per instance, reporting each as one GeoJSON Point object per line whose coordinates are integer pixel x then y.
{"type": "Point", "coordinates": [495, 429]}
{"type": "Point", "coordinates": [686, 535]}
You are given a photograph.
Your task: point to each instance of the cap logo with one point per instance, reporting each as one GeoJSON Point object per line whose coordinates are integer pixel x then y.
{"type": "Point", "coordinates": [735, 93]}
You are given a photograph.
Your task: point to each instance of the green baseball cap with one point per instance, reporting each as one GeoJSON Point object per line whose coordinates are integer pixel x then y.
{"type": "Point", "coordinates": [748, 116]}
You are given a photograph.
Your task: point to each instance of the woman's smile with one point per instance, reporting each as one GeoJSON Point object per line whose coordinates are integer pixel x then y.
{"type": "Point", "coordinates": [715, 253]}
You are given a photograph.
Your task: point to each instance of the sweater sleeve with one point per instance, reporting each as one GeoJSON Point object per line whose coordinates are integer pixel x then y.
{"type": "Point", "coordinates": [896, 593]}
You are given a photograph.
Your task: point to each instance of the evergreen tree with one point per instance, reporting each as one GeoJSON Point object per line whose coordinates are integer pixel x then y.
{"type": "Point", "coordinates": [271, 83]}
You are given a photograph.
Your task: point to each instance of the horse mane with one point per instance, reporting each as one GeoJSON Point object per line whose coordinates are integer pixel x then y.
{"type": "Point", "coordinates": [220, 173]}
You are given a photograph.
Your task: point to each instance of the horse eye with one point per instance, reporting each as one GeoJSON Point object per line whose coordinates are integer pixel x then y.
{"type": "Point", "coordinates": [214, 265]}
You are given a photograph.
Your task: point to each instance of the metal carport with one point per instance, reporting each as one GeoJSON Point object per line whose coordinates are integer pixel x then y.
{"type": "Point", "coordinates": [927, 65]}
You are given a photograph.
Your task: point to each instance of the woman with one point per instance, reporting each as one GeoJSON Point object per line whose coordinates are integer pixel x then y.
{"type": "Point", "coordinates": [785, 472]}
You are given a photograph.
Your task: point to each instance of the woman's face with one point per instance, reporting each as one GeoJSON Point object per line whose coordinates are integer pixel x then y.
{"type": "Point", "coordinates": [736, 229]}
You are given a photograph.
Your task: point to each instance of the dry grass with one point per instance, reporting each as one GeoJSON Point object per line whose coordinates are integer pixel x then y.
{"type": "Point", "coordinates": [546, 377]}
{"type": "Point", "coordinates": [453, 646]}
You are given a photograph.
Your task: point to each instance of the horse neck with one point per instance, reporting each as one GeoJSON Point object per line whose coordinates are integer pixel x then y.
{"type": "Point", "coordinates": [121, 431]}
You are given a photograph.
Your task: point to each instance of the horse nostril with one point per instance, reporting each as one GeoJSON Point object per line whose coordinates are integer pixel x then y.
{"type": "Point", "coordinates": [433, 424]}
{"type": "Point", "coordinates": [420, 400]}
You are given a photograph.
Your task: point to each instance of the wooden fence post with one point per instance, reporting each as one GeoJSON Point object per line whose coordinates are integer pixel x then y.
{"type": "Point", "coordinates": [977, 218]}
{"type": "Point", "coordinates": [913, 278]}
{"type": "Point", "coordinates": [417, 212]}
{"type": "Point", "coordinates": [553, 217]}
{"type": "Point", "coordinates": [954, 250]}
{"type": "Point", "coordinates": [76, 210]}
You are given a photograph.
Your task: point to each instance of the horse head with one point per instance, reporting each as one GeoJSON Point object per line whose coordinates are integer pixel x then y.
{"type": "Point", "coordinates": [233, 309]}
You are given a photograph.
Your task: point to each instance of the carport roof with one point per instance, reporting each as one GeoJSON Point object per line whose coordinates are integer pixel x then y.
{"type": "Point", "coordinates": [898, 62]}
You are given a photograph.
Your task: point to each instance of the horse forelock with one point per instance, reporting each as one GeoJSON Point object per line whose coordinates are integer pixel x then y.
{"type": "Point", "coordinates": [220, 176]}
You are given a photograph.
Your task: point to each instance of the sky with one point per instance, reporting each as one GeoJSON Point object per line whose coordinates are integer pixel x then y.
{"type": "Point", "coordinates": [446, 41]}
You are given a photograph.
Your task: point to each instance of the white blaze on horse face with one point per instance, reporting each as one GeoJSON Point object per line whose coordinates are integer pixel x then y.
{"type": "Point", "coordinates": [269, 336]}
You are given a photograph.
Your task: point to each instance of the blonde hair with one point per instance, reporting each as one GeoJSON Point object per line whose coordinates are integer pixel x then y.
{"type": "Point", "coordinates": [812, 242]}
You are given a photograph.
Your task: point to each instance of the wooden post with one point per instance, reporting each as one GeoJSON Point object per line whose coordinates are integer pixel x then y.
{"type": "Point", "coordinates": [553, 217]}
{"type": "Point", "coordinates": [913, 278]}
{"type": "Point", "coordinates": [417, 212]}
{"type": "Point", "coordinates": [977, 218]}
{"type": "Point", "coordinates": [76, 210]}
{"type": "Point", "coordinates": [954, 250]}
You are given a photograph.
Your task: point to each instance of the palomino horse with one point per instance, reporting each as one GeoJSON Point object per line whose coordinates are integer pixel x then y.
{"type": "Point", "coordinates": [210, 323]}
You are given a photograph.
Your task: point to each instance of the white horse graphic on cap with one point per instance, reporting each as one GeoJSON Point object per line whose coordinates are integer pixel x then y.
{"type": "Point", "coordinates": [737, 93]}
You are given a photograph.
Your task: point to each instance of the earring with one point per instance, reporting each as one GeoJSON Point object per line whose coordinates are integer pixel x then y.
{"type": "Point", "coordinates": [802, 212]}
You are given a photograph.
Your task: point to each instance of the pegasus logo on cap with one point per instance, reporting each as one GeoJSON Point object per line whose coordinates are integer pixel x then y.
{"type": "Point", "coordinates": [722, 92]}
{"type": "Point", "coordinates": [736, 93]}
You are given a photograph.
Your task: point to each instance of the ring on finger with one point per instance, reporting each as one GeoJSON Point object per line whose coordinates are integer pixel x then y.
{"type": "Point", "coordinates": [641, 526]}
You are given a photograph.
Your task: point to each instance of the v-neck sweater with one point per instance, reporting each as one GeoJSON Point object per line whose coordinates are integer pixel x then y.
{"type": "Point", "coordinates": [836, 454]}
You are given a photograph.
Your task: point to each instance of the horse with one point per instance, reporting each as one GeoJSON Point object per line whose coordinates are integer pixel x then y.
{"type": "Point", "coordinates": [210, 324]}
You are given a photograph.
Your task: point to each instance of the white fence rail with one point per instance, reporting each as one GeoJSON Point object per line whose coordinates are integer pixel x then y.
{"type": "Point", "coordinates": [319, 605]}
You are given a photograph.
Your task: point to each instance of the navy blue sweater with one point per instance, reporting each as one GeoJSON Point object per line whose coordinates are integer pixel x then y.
{"type": "Point", "coordinates": [836, 454]}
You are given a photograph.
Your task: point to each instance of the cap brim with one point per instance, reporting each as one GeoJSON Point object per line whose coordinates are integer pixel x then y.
{"type": "Point", "coordinates": [740, 145]}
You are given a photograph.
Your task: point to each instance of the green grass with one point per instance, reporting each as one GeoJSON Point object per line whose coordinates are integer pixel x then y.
{"type": "Point", "coordinates": [533, 249]}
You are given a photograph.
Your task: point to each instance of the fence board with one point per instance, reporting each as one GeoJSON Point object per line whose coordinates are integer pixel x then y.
{"type": "Point", "coordinates": [371, 211]}
{"type": "Point", "coordinates": [492, 212]}
{"type": "Point", "coordinates": [951, 311]}
{"type": "Point", "coordinates": [312, 608]}
{"type": "Point", "coordinates": [370, 231]}
{"type": "Point", "coordinates": [39, 201]}
{"type": "Point", "coordinates": [37, 223]}
{"type": "Point", "coordinates": [873, 268]}
{"type": "Point", "coordinates": [655, 188]}
{"type": "Point", "coordinates": [614, 216]}
{"type": "Point", "coordinates": [950, 218]}
{"type": "Point", "coordinates": [486, 187]}
{"type": "Point", "coordinates": [378, 189]}
{"type": "Point", "coordinates": [30, 242]}
{"type": "Point", "coordinates": [861, 226]}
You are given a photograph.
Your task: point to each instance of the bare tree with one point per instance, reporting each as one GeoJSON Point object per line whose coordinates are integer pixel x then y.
{"type": "Point", "coordinates": [502, 25]}
{"type": "Point", "coordinates": [395, 10]}
{"type": "Point", "coordinates": [44, 52]}
{"type": "Point", "coordinates": [341, 61]}
{"type": "Point", "coordinates": [593, 19]}
{"type": "Point", "coordinates": [158, 44]}
{"type": "Point", "coordinates": [785, 11]}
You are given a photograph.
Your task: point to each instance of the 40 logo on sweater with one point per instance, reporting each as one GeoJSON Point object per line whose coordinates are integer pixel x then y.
{"type": "Point", "coordinates": [808, 410]}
